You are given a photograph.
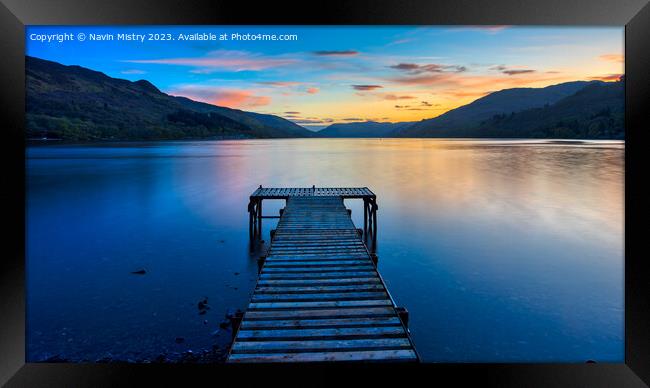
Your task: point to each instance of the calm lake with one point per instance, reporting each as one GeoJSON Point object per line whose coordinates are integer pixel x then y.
{"type": "Point", "coordinates": [502, 250]}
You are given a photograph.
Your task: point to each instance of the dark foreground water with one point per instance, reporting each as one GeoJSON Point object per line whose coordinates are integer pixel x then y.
{"type": "Point", "coordinates": [501, 250]}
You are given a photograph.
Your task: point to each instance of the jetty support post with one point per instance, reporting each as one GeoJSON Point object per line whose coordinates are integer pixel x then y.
{"type": "Point", "coordinates": [236, 322]}
{"type": "Point", "coordinates": [370, 222]}
{"type": "Point", "coordinates": [365, 219]}
{"type": "Point", "coordinates": [259, 219]}
{"type": "Point", "coordinates": [374, 223]}
{"type": "Point", "coordinates": [252, 218]}
{"type": "Point", "coordinates": [403, 315]}
{"type": "Point", "coordinates": [260, 263]}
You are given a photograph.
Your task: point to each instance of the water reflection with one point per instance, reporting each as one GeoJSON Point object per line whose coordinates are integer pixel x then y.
{"type": "Point", "coordinates": [501, 250]}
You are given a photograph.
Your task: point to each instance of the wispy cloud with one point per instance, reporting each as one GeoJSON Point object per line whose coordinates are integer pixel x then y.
{"type": "Point", "coordinates": [424, 105]}
{"type": "Point", "coordinates": [426, 79]}
{"type": "Point", "coordinates": [278, 83]}
{"type": "Point", "coordinates": [618, 58]}
{"type": "Point", "coordinates": [510, 71]}
{"type": "Point", "coordinates": [488, 29]}
{"type": "Point", "coordinates": [516, 72]}
{"type": "Point", "coordinates": [337, 53]}
{"type": "Point", "coordinates": [231, 60]}
{"type": "Point", "coordinates": [391, 97]}
{"type": "Point", "coordinates": [312, 90]}
{"type": "Point", "coordinates": [459, 93]}
{"type": "Point", "coordinates": [133, 71]}
{"type": "Point", "coordinates": [231, 98]}
{"type": "Point", "coordinates": [400, 41]}
{"type": "Point", "coordinates": [414, 68]}
{"type": "Point", "coordinates": [366, 87]}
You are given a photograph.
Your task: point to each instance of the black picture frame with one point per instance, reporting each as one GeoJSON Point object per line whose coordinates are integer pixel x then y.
{"type": "Point", "coordinates": [633, 14]}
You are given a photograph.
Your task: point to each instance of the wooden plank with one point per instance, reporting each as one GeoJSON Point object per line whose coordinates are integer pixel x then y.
{"type": "Point", "coordinates": [368, 355]}
{"type": "Point", "coordinates": [316, 282]}
{"type": "Point", "coordinates": [272, 270]}
{"type": "Point", "coordinates": [324, 313]}
{"type": "Point", "coordinates": [316, 275]}
{"type": "Point", "coordinates": [257, 306]}
{"type": "Point", "coordinates": [318, 264]}
{"type": "Point", "coordinates": [372, 294]}
{"type": "Point", "coordinates": [346, 332]}
{"type": "Point", "coordinates": [319, 344]}
{"type": "Point", "coordinates": [274, 260]}
{"type": "Point", "coordinates": [313, 323]}
{"type": "Point", "coordinates": [359, 255]}
{"type": "Point", "coordinates": [320, 288]}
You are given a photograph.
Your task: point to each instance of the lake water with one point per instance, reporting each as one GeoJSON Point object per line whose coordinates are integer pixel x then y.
{"type": "Point", "coordinates": [501, 250]}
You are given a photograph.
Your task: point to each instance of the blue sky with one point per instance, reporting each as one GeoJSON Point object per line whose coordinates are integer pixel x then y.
{"type": "Point", "coordinates": [343, 74]}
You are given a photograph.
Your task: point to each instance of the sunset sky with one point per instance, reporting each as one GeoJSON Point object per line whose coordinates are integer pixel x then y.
{"type": "Point", "coordinates": [346, 74]}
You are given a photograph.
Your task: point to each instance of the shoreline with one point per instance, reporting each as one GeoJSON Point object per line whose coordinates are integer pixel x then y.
{"type": "Point", "coordinates": [53, 142]}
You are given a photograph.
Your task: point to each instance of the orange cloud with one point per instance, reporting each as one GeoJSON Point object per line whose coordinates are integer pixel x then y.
{"type": "Point", "coordinates": [477, 83]}
{"type": "Point", "coordinates": [618, 58]}
{"type": "Point", "coordinates": [231, 98]}
{"type": "Point", "coordinates": [464, 93]}
{"type": "Point", "coordinates": [607, 77]}
{"type": "Point", "coordinates": [313, 90]}
{"type": "Point", "coordinates": [396, 97]}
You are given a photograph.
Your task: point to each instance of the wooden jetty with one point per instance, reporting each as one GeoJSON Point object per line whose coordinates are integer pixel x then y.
{"type": "Point", "coordinates": [319, 296]}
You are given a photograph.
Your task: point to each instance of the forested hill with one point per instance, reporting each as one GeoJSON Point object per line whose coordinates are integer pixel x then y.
{"type": "Point", "coordinates": [79, 104]}
{"type": "Point", "coordinates": [595, 112]}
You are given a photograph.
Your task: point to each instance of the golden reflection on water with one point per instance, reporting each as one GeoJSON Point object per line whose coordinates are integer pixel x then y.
{"type": "Point", "coordinates": [555, 185]}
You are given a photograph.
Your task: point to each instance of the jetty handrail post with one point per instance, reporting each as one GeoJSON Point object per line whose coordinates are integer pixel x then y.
{"type": "Point", "coordinates": [251, 218]}
{"type": "Point", "coordinates": [259, 219]}
{"type": "Point", "coordinates": [254, 219]}
{"type": "Point", "coordinates": [365, 219]}
{"type": "Point", "coordinates": [374, 226]}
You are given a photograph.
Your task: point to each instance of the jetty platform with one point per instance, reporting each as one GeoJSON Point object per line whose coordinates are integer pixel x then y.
{"type": "Point", "coordinates": [319, 296]}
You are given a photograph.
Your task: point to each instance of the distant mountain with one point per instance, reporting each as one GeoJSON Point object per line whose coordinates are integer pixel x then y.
{"type": "Point", "coordinates": [362, 129]}
{"type": "Point", "coordinates": [76, 103]}
{"type": "Point", "coordinates": [595, 112]}
{"type": "Point", "coordinates": [501, 102]}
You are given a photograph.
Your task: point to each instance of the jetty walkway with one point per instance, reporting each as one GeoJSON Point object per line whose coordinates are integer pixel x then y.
{"type": "Point", "coordinates": [319, 296]}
